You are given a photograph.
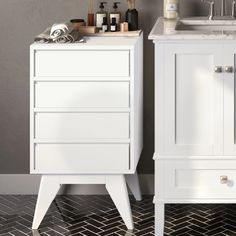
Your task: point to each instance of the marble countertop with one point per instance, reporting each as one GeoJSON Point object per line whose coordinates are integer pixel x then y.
{"type": "Point", "coordinates": [166, 29]}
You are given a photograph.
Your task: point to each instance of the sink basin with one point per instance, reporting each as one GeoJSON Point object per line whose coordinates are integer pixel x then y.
{"type": "Point", "coordinates": [205, 27]}
{"type": "Point", "coordinates": [203, 24]}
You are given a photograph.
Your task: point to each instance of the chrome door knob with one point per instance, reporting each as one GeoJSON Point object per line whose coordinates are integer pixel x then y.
{"type": "Point", "coordinates": [229, 69]}
{"type": "Point", "coordinates": [218, 69]}
{"type": "Point", "coordinates": [223, 179]}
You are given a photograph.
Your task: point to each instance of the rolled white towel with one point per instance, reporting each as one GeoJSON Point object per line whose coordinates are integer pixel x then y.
{"type": "Point", "coordinates": [60, 33]}
{"type": "Point", "coordinates": [60, 29]}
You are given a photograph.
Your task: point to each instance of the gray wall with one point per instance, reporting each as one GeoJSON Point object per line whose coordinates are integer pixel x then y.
{"type": "Point", "coordinates": [20, 21]}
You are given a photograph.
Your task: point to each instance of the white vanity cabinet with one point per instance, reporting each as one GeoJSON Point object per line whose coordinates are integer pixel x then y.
{"type": "Point", "coordinates": [195, 123]}
{"type": "Point", "coordinates": [196, 100]}
{"type": "Point", "coordinates": [192, 99]}
{"type": "Point", "coordinates": [86, 114]}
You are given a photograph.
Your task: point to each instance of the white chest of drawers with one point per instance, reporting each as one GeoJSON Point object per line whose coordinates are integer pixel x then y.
{"type": "Point", "coordinates": [86, 117]}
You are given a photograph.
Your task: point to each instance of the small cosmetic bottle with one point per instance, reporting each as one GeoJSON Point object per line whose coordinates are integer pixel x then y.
{"type": "Point", "coordinates": [104, 24]}
{"type": "Point", "coordinates": [113, 25]}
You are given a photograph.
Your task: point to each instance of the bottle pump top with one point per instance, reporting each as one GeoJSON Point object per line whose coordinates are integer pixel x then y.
{"type": "Point", "coordinates": [115, 5]}
{"type": "Point", "coordinates": [102, 5]}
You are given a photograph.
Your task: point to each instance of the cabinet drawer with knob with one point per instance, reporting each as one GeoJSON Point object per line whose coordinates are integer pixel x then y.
{"type": "Point", "coordinates": [198, 179]}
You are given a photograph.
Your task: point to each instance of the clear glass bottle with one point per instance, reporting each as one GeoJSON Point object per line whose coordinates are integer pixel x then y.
{"type": "Point", "coordinates": [100, 14]}
{"type": "Point", "coordinates": [115, 13]}
{"type": "Point", "coordinates": [90, 17]}
{"type": "Point", "coordinates": [171, 9]}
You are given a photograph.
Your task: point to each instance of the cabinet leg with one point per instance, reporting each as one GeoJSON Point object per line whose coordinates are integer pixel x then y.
{"type": "Point", "coordinates": [48, 189]}
{"type": "Point", "coordinates": [116, 187]}
{"type": "Point", "coordinates": [160, 219]}
{"type": "Point", "coordinates": [133, 183]}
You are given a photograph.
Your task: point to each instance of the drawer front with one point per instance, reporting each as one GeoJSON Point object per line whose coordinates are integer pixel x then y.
{"type": "Point", "coordinates": [199, 179]}
{"type": "Point", "coordinates": [81, 63]}
{"type": "Point", "coordinates": [71, 126]}
{"type": "Point", "coordinates": [82, 94]}
{"type": "Point", "coordinates": [82, 157]}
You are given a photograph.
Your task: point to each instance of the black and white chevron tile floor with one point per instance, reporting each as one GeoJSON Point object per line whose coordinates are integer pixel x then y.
{"type": "Point", "coordinates": [74, 215]}
{"type": "Point", "coordinates": [96, 215]}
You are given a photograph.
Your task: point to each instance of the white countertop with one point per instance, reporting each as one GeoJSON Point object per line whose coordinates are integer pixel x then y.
{"type": "Point", "coordinates": [165, 29]}
{"type": "Point", "coordinates": [93, 42]}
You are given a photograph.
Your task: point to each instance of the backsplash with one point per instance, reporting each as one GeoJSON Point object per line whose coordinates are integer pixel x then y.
{"type": "Point", "coordinates": [33, 16]}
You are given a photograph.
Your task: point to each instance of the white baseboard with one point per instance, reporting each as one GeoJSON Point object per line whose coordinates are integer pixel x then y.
{"type": "Point", "coordinates": [29, 184]}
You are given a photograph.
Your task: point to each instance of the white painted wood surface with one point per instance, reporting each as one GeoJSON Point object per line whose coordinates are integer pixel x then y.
{"type": "Point", "coordinates": [229, 101]}
{"type": "Point", "coordinates": [134, 186]}
{"type": "Point", "coordinates": [200, 179]}
{"type": "Point", "coordinates": [48, 189]}
{"type": "Point", "coordinates": [74, 126]}
{"type": "Point", "coordinates": [82, 94]}
{"type": "Point", "coordinates": [194, 124]}
{"type": "Point", "coordinates": [159, 218]}
{"type": "Point", "coordinates": [86, 108]}
{"type": "Point", "coordinates": [81, 63]}
{"type": "Point", "coordinates": [115, 185]}
{"type": "Point", "coordinates": [193, 100]}
{"type": "Point", "coordinates": [60, 95]}
{"type": "Point", "coordinates": [136, 101]}
{"type": "Point", "coordinates": [84, 158]}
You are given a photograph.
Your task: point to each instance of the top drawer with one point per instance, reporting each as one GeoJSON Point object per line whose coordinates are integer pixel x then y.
{"type": "Point", "coordinates": [81, 63]}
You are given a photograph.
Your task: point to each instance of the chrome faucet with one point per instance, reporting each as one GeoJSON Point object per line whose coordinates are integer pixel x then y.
{"type": "Point", "coordinates": [223, 8]}
{"type": "Point", "coordinates": [223, 11]}
{"type": "Point", "coordinates": [211, 9]}
{"type": "Point", "coordinates": [233, 14]}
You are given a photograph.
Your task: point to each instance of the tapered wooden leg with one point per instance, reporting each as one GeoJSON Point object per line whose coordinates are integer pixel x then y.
{"type": "Point", "coordinates": [160, 219]}
{"type": "Point", "coordinates": [49, 187]}
{"type": "Point", "coordinates": [116, 187]}
{"type": "Point", "coordinates": [133, 183]}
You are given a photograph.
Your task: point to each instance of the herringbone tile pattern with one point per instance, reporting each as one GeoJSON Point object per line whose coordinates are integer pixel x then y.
{"type": "Point", "coordinates": [74, 215]}
{"type": "Point", "coordinates": [97, 215]}
{"type": "Point", "coordinates": [200, 220]}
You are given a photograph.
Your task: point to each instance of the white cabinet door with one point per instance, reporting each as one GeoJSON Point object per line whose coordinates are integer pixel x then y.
{"type": "Point", "coordinates": [229, 100]}
{"type": "Point", "coordinates": [193, 98]}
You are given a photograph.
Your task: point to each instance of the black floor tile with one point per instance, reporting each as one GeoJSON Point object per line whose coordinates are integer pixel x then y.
{"type": "Point", "coordinates": [97, 215]}
{"type": "Point", "coordinates": [74, 215]}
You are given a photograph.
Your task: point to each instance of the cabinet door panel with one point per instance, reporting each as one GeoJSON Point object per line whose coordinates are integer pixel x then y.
{"type": "Point", "coordinates": [193, 100]}
{"type": "Point", "coordinates": [229, 102]}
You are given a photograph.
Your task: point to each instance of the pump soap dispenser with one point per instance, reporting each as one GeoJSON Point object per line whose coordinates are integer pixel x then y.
{"type": "Point", "coordinates": [115, 14]}
{"type": "Point", "coordinates": [100, 15]}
